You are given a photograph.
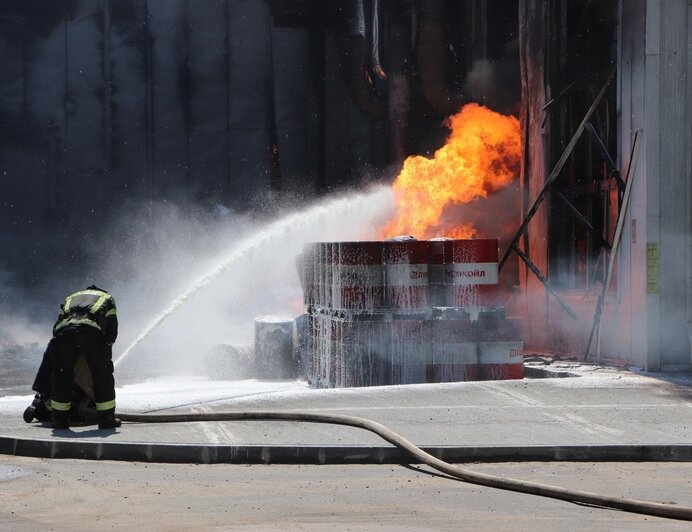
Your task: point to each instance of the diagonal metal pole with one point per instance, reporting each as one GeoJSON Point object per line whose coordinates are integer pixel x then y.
{"type": "Point", "coordinates": [545, 282]}
{"type": "Point", "coordinates": [580, 217]}
{"type": "Point", "coordinates": [596, 327]}
{"type": "Point", "coordinates": [598, 141]}
{"type": "Point", "coordinates": [556, 171]}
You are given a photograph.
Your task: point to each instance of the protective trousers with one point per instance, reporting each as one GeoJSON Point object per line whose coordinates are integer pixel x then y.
{"type": "Point", "coordinates": [42, 382]}
{"type": "Point", "coordinates": [66, 350]}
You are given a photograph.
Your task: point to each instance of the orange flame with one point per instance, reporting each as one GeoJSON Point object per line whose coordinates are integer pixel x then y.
{"type": "Point", "coordinates": [481, 156]}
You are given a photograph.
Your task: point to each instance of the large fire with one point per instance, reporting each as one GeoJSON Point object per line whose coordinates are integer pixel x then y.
{"type": "Point", "coordinates": [481, 156]}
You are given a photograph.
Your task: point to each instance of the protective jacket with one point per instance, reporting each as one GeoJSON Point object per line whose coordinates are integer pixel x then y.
{"type": "Point", "coordinates": [92, 308]}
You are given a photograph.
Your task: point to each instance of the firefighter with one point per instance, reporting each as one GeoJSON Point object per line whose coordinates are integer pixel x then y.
{"type": "Point", "coordinates": [87, 325]}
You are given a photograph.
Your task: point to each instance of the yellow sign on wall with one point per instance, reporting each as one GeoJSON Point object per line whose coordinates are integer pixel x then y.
{"type": "Point", "coordinates": [652, 257]}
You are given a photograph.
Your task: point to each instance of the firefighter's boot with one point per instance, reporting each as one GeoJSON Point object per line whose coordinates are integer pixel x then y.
{"type": "Point", "coordinates": [31, 409]}
{"type": "Point", "coordinates": [107, 419]}
{"type": "Point", "coordinates": [37, 409]}
{"type": "Point", "coordinates": [61, 419]}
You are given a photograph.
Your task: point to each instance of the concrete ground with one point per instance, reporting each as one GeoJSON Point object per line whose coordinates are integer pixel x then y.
{"type": "Point", "coordinates": [600, 408]}
{"type": "Point", "coordinates": [599, 415]}
{"type": "Point", "coordinates": [44, 494]}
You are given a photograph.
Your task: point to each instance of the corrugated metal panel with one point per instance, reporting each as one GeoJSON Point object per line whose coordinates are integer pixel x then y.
{"type": "Point", "coordinates": [673, 182]}
{"type": "Point", "coordinates": [209, 71]}
{"type": "Point", "coordinates": [651, 165]}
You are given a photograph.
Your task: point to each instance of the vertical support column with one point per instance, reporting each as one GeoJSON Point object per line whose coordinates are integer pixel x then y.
{"type": "Point", "coordinates": [666, 130]}
{"type": "Point", "coordinates": [688, 180]}
{"type": "Point", "coordinates": [652, 132]}
{"type": "Point", "coordinates": [673, 181]}
{"type": "Point", "coordinates": [533, 36]}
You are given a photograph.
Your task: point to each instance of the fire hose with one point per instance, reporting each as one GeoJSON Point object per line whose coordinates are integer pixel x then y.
{"type": "Point", "coordinates": [533, 488]}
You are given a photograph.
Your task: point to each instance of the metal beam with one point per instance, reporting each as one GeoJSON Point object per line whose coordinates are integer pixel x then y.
{"type": "Point", "coordinates": [556, 171]}
{"type": "Point", "coordinates": [599, 144]}
{"type": "Point", "coordinates": [596, 327]}
{"type": "Point", "coordinates": [545, 282]}
{"type": "Point", "coordinates": [579, 216]}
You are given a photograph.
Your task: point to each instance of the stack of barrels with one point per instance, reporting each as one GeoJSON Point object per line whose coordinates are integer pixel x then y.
{"type": "Point", "coordinates": [400, 312]}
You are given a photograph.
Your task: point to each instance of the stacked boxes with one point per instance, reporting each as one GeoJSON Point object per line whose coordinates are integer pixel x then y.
{"type": "Point", "coordinates": [399, 312]}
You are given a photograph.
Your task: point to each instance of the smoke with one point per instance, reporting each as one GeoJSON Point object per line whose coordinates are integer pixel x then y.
{"type": "Point", "coordinates": [17, 328]}
{"type": "Point", "coordinates": [496, 216]}
{"type": "Point", "coordinates": [152, 253]}
{"type": "Point", "coordinates": [495, 84]}
{"type": "Point", "coordinates": [17, 321]}
{"type": "Point", "coordinates": [212, 274]}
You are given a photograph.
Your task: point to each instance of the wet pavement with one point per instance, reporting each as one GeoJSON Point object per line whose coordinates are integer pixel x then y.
{"type": "Point", "coordinates": [600, 413]}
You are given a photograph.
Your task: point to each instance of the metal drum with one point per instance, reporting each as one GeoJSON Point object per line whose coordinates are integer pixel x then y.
{"type": "Point", "coordinates": [471, 273]}
{"type": "Point", "coordinates": [357, 276]}
{"type": "Point", "coordinates": [302, 322]}
{"type": "Point", "coordinates": [313, 352]}
{"type": "Point", "coordinates": [436, 272]}
{"type": "Point", "coordinates": [365, 350]}
{"type": "Point", "coordinates": [326, 257]}
{"type": "Point", "coordinates": [454, 349]}
{"type": "Point", "coordinates": [329, 347]}
{"type": "Point", "coordinates": [406, 274]}
{"type": "Point", "coordinates": [274, 353]}
{"type": "Point", "coordinates": [500, 346]}
{"type": "Point", "coordinates": [307, 265]}
{"type": "Point", "coordinates": [399, 312]}
{"type": "Point", "coordinates": [319, 349]}
{"type": "Point", "coordinates": [320, 280]}
{"type": "Point", "coordinates": [336, 359]}
{"type": "Point", "coordinates": [411, 349]}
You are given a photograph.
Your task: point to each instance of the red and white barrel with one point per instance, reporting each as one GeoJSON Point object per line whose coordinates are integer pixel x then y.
{"type": "Point", "coordinates": [322, 273]}
{"type": "Point", "coordinates": [357, 281]}
{"type": "Point", "coordinates": [406, 274]}
{"type": "Point", "coordinates": [411, 350]}
{"type": "Point", "coordinates": [500, 347]}
{"type": "Point", "coordinates": [454, 350]}
{"type": "Point", "coordinates": [471, 273]}
{"type": "Point", "coordinates": [436, 272]}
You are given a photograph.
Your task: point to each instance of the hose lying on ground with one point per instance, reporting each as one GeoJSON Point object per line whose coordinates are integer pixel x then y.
{"type": "Point", "coordinates": [555, 492]}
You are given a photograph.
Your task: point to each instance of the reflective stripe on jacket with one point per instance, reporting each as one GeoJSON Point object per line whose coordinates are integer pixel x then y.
{"type": "Point", "coordinates": [91, 308]}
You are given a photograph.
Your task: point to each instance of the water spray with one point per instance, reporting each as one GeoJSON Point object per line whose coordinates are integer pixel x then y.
{"type": "Point", "coordinates": [296, 223]}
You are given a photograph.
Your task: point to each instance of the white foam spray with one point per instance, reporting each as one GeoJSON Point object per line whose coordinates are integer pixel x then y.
{"type": "Point", "coordinates": [353, 217]}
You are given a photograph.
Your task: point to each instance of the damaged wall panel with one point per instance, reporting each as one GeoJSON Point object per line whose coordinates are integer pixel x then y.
{"type": "Point", "coordinates": [533, 36]}
{"type": "Point", "coordinates": [646, 319]}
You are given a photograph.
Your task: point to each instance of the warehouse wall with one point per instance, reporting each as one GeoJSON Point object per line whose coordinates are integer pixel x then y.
{"type": "Point", "coordinates": [107, 103]}
{"type": "Point", "coordinates": [648, 322]}
{"type": "Point", "coordinates": [647, 315]}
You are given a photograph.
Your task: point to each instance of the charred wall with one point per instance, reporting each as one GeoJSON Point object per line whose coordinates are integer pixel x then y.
{"type": "Point", "coordinates": [244, 103]}
{"type": "Point", "coordinates": [567, 50]}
